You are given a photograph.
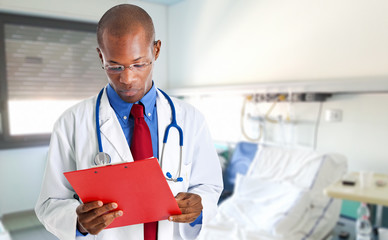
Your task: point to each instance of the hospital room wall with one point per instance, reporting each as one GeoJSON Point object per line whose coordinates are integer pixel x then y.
{"type": "Point", "coordinates": [361, 135]}
{"type": "Point", "coordinates": [21, 170]}
{"type": "Point", "coordinates": [226, 42]}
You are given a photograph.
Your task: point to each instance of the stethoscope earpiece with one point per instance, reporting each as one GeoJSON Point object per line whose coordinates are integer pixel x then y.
{"type": "Point", "coordinates": [169, 177]}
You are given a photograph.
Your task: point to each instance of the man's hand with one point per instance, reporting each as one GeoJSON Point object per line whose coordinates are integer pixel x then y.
{"type": "Point", "coordinates": [93, 217]}
{"type": "Point", "coordinates": [190, 205]}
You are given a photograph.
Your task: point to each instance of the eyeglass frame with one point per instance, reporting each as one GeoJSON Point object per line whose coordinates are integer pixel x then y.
{"type": "Point", "coordinates": [130, 67]}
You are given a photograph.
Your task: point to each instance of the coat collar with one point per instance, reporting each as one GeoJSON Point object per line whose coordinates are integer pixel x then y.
{"type": "Point", "coordinates": [111, 129]}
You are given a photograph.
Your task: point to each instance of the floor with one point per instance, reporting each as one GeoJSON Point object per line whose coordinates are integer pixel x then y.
{"type": "Point", "coordinates": [26, 226]}
{"type": "Point", "coordinates": [34, 233]}
{"type": "Point", "coordinates": [39, 233]}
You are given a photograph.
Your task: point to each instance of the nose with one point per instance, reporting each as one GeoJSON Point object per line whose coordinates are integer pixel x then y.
{"type": "Point", "coordinates": [127, 76]}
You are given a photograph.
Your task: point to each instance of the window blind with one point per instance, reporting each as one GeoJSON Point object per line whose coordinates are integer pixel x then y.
{"type": "Point", "coordinates": [47, 63]}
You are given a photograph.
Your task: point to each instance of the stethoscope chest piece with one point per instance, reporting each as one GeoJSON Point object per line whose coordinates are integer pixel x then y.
{"type": "Point", "coordinates": [102, 159]}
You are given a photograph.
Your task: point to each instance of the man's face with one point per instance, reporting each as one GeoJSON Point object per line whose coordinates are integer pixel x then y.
{"type": "Point", "coordinates": [131, 84]}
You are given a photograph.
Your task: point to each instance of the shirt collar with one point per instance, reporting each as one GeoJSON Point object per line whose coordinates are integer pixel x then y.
{"type": "Point", "coordinates": [123, 108]}
{"type": "Point", "coordinates": [149, 101]}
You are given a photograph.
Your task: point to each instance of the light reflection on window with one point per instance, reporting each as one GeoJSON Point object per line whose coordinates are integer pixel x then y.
{"type": "Point", "coordinates": [35, 116]}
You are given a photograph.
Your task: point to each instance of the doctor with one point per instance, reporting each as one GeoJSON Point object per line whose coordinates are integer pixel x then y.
{"type": "Point", "coordinates": [128, 52]}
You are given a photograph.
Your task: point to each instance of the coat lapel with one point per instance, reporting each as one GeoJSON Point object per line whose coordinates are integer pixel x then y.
{"type": "Point", "coordinates": [166, 228]}
{"type": "Point", "coordinates": [164, 118]}
{"type": "Point", "coordinates": [112, 136]}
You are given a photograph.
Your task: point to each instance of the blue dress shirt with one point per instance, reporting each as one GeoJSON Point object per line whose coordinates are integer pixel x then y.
{"type": "Point", "coordinates": [123, 109]}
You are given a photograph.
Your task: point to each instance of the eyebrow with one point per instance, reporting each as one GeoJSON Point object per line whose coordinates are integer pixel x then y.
{"type": "Point", "coordinates": [114, 62]}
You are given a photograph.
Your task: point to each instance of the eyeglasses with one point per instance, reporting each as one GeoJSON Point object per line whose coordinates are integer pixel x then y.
{"type": "Point", "coordinates": [135, 67]}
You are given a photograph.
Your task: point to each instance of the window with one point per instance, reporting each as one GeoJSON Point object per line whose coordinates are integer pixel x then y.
{"type": "Point", "coordinates": [46, 66]}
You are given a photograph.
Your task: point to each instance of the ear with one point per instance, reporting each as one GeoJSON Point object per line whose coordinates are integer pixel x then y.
{"type": "Point", "coordinates": [157, 45]}
{"type": "Point", "coordinates": [100, 55]}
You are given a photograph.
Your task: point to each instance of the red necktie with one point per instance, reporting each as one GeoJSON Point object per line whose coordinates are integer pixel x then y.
{"type": "Point", "coordinates": [141, 148]}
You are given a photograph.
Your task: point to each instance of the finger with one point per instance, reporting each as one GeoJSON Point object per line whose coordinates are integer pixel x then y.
{"type": "Point", "coordinates": [190, 200]}
{"type": "Point", "coordinates": [96, 212]}
{"type": "Point", "coordinates": [96, 230]}
{"type": "Point", "coordinates": [191, 210]}
{"type": "Point", "coordinates": [101, 222]}
{"type": "Point", "coordinates": [86, 207]}
{"type": "Point", "coordinates": [105, 219]}
{"type": "Point", "coordinates": [189, 203]}
{"type": "Point", "coordinates": [184, 218]}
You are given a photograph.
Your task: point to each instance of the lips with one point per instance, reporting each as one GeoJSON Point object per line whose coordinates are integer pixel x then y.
{"type": "Point", "coordinates": [130, 92]}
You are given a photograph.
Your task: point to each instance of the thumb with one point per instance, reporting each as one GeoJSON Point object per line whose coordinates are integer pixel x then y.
{"type": "Point", "coordinates": [180, 196]}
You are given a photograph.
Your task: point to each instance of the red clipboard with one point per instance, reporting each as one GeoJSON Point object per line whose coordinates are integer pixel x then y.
{"type": "Point", "coordinates": [139, 188]}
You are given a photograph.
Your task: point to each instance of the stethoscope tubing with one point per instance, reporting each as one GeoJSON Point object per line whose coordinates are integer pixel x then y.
{"type": "Point", "coordinates": [98, 120]}
{"type": "Point", "coordinates": [173, 121]}
{"type": "Point", "coordinates": [165, 137]}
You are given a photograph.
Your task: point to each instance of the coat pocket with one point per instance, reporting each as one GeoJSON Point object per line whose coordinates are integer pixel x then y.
{"type": "Point", "coordinates": [177, 187]}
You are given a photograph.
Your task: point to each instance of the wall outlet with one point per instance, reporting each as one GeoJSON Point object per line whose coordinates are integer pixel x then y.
{"type": "Point", "coordinates": [333, 115]}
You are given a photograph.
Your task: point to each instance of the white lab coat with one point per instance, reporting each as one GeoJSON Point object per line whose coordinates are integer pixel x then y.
{"type": "Point", "coordinates": [74, 145]}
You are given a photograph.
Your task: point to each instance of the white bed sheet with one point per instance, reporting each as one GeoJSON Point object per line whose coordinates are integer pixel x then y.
{"type": "Point", "coordinates": [281, 197]}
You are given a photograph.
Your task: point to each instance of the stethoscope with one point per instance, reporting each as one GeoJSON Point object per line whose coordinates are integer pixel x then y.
{"type": "Point", "coordinates": [103, 158]}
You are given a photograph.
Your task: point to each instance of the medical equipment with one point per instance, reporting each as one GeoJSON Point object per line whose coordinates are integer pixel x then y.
{"type": "Point", "coordinates": [104, 158]}
{"type": "Point", "coordinates": [243, 131]}
{"type": "Point", "coordinates": [175, 125]}
{"type": "Point", "coordinates": [243, 155]}
{"type": "Point", "coordinates": [101, 157]}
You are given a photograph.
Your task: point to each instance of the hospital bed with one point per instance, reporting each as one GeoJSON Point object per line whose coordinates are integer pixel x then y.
{"type": "Point", "coordinates": [280, 198]}
{"type": "Point", "coordinates": [243, 155]}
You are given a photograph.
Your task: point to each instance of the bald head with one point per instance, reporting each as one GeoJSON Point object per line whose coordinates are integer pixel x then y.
{"type": "Point", "coordinates": [125, 19]}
